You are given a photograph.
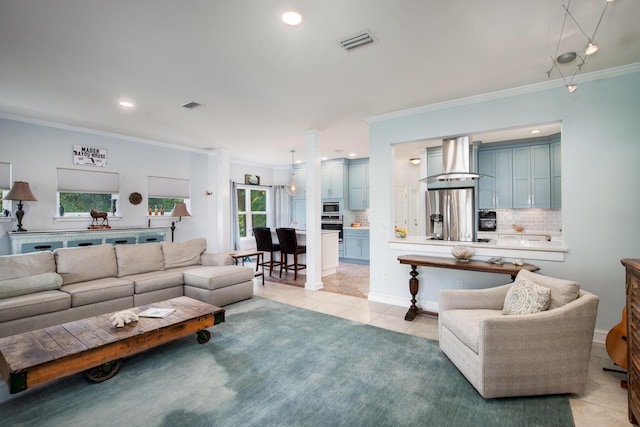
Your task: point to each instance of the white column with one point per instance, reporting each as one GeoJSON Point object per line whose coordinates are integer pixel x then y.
{"type": "Point", "coordinates": [314, 242]}
{"type": "Point", "coordinates": [219, 203]}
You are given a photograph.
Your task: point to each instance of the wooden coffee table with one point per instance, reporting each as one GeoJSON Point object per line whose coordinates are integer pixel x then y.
{"type": "Point", "coordinates": [95, 347]}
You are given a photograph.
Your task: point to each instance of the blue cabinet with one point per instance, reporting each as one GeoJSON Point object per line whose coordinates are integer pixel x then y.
{"type": "Point", "coordinates": [495, 188]}
{"type": "Point", "coordinates": [556, 175]}
{"type": "Point", "coordinates": [356, 244]}
{"type": "Point", "coordinates": [531, 177]}
{"type": "Point", "coordinates": [359, 185]}
{"type": "Point", "coordinates": [301, 181]}
{"type": "Point", "coordinates": [300, 213]}
{"type": "Point", "coordinates": [333, 179]}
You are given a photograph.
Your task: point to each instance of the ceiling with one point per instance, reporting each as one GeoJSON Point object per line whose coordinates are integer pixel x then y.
{"type": "Point", "coordinates": [263, 83]}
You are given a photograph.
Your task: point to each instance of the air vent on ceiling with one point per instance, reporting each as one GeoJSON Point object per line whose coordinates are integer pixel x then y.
{"type": "Point", "coordinates": [192, 105]}
{"type": "Point", "coordinates": [356, 40]}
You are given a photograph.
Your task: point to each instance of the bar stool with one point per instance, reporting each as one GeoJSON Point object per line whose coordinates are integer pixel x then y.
{"type": "Point", "coordinates": [264, 243]}
{"type": "Point", "coordinates": [289, 245]}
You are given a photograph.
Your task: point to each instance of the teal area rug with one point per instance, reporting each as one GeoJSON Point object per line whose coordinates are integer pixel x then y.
{"type": "Point", "coordinates": [272, 364]}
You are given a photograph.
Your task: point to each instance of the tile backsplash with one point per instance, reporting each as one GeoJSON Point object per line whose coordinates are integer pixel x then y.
{"type": "Point", "coordinates": [544, 221]}
{"type": "Point", "coordinates": [362, 217]}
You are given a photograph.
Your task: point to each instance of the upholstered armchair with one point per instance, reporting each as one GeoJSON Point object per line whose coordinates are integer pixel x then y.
{"type": "Point", "coordinates": [502, 355]}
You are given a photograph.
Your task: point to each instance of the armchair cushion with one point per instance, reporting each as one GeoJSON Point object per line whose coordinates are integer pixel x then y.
{"type": "Point", "coordinates": [562, 291]}
{"type": "Point", "coordinates": [525, 297]}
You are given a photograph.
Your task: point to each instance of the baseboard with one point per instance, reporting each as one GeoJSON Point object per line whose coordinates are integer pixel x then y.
{"type": "Point", "coordinates": [599, 336]}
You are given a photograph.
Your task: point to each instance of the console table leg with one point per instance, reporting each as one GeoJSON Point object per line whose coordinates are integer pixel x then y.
{"type": "Point", "coordinates": [414, 286]}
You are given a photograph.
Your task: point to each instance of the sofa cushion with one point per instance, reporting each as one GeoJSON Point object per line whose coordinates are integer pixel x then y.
{"type": "Point", "coordinates": [86, 263]}
{"type": "Point", "coordinates": [99, 290]}
{"type": "Point", "coordinates": [183, 254]}
{"type": "Point", "coordinates": [217, 277]}
{"type": "Point", "coordinates": [30, 284]}
{"type": "Point", "coordinates": [136, 259]}
{"type": "Point", "coordinates": [209, 258]}
{"type": "Point", "coordinates": [23, 265]}
{"type": "Point", "coordinates": [33, 304]}
{"type": "Point", "coordinates": [465, 324]}
{"type": "Point", "coordinates": [562, 291]}
{"type": "Point", "coordinates": [155, 280]}
{"type": "Point", "coordinates": [525, 297]}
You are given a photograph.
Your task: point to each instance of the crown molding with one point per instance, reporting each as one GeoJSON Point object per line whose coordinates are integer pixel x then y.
{"type": "Point", "coordinates": [580, 78]}
{"type": "Point", "coordinates": [74, 128]}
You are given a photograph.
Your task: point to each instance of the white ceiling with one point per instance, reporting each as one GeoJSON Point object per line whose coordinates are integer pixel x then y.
{"type": "Point", "coordinates": [264, 83]}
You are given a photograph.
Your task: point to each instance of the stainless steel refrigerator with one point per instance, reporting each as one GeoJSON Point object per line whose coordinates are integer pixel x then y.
{"type": "Point", "coordinates": [450, 214]}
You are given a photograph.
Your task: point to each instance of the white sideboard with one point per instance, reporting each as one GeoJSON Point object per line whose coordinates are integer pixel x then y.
{"type": "Point", "coordinates": [34, 241]}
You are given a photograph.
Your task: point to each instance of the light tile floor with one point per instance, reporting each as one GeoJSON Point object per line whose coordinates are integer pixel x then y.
{"type": "Point", "coordinates": [604, 403]}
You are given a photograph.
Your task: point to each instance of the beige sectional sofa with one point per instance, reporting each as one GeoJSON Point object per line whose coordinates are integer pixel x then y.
{"type": "Point", "coordinates": [47, 288]}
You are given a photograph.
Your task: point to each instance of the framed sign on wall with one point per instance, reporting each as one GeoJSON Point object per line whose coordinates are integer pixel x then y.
{"type": "Point", "coordinates": [89, 156]}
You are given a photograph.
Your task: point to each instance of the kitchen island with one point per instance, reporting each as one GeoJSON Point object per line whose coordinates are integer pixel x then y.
{"type": "Point", "coordinates": [329, 249]}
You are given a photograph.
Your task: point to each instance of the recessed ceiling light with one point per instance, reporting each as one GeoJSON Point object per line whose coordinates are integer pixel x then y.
{"type": "Point", "coordinates": [126, 104]}
{"type": "Point", "coordinates": [535, 131]}
{"type": "Point", "coordinates": [292, 18]}
{"type": "Point", "coordinates": [352, 154]}
{"type": "Point", "coordinates": [324, 158]}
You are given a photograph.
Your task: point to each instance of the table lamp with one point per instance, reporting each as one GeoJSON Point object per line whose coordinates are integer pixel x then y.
{"type": "Point", "coordinates": [179, 210]}
{"type": "Point", "coordinates": [20, 192]}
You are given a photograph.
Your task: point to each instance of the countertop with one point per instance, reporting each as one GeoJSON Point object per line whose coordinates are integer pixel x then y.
{"type": "Point", "coordinates": [509, 249]}
{"type": "Point", "coordinates": [355, 228]}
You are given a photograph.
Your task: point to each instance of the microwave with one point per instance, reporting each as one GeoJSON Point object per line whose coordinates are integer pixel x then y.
{"type": "Point", "coordinates": [330, 208]}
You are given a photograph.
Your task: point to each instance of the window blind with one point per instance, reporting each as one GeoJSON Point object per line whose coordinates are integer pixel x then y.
{"type": "Point", "coordinates": [171, 188]}
{"type": "Point", "coordinates": [83, 181]}
{"type": "Point", "coordinates": [5, 176]}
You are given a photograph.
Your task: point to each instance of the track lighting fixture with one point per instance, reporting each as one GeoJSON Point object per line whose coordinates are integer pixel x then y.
{"type": "Point", "coordinates": [568, 57]}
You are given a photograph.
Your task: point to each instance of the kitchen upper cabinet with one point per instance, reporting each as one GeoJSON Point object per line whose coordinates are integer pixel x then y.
{"type": "Point", "coordinates": [301, 180]}
{"type": "Point", "coordinates": [359, 185]}
{"type": "Point", "coordinates": [556, 175]}
{"type": "Point", "coordinates": [333, 178]}
{"type": "Point", "coordinates": [531, 177]}
{"type": "Point", "coordinates": [434, 167]}
{"type": "Point", "coordinates": [495, 190]}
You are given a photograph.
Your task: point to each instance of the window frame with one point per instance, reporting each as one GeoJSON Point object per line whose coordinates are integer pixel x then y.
{"type": "Point", "coordinates": [248, 213]}
{"type": "Point", "coordinates": [168, 188]}
{"type": "Point", "coordinates": [83, 181]}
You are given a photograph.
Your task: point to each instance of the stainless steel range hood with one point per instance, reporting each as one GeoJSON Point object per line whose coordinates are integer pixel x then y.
{"type": "Point", "coordinates": [455, 161]}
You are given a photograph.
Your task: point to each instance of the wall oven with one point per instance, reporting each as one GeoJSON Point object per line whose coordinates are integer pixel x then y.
{"type": "Point", "coordinates": [332, 222]}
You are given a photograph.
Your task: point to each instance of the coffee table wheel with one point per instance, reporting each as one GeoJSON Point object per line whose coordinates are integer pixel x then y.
{"type": "Point", "coordinates": [203, 336]}
{"type": "Point", "coordinates": [103, 372]}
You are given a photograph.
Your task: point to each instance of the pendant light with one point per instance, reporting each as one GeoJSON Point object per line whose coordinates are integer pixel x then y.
{"type": "Point", "coordinates": [292, 187]}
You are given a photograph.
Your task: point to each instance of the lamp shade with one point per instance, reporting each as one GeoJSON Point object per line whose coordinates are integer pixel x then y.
{"type": "Point", "coordinates": [180, 209]}
{"type": "Point", "coordinates": [21, 192]}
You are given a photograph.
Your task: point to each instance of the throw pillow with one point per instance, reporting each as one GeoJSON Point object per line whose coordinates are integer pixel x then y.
{"type": "Point", "coordinates": [562, 291]}
{"type": "Point", "coordinates": [30, 285]}
{"type": "Point", "coordinates": [525, 297]}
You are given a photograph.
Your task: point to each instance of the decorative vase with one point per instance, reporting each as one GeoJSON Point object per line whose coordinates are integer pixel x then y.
{"type": "Point", "coordinates": [61, 210]}
{"type": "Point", "coordinates": [462, 253]}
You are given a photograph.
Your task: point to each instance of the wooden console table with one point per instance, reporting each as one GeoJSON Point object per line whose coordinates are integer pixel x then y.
{"type": "Point", "coordinates": [416, 261]}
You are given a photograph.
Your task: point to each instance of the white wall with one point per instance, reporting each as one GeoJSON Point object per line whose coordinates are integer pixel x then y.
{"type": "Point", "coordinates": [36, 151]}
{"type": "Point", "coordinates": [600, 176]}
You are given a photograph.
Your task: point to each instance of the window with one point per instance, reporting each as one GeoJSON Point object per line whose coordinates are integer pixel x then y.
{"type": "Point", "coordinates": [252, 208]}
{"type": "Point", "coordinates": [80, 191]}
{"type": "Point", "coordinates": [164, 193]}
{"type": "Point", "coordinates": [5, 186]}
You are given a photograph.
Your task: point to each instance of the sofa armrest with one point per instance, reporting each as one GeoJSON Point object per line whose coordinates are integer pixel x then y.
{"type": "Point", "coordinates": [560, 337]}
{"type": "Point", "coordinates": [216, 259]}
{"type": "Point", "coordinates": [489, 298]}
